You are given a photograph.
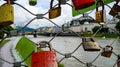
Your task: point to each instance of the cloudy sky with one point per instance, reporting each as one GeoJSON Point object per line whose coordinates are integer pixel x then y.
{"type": "Point", "coordinates": [22, 17]}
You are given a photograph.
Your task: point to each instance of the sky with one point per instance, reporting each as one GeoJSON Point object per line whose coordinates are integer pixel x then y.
{"type": "Point", "coordinates": [22, 17]}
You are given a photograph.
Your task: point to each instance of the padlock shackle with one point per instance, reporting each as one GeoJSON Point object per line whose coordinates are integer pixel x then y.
{"type": "Point", "coordinates": [117, 2]}
{"type": "Point", "coordinates": [51, 3]}
{"type": "Point", "coordinates": [48, 43]}
{"type": "Point", "coordinates": [110, 47]}
{"type": "Point", "coordinates": [8, 1]}
{"type": "Point", "coordinates": [101, 3]}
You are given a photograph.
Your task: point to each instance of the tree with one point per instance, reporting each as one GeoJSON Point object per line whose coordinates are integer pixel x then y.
{"type": "Point", "coordinates": [8, 28]}
{"type": "Point", "coordinates": [95, 29]}
{"type": "Point", "coordinates": [1, 34]}
{"type": "Point", "coordinates": [118, 26]}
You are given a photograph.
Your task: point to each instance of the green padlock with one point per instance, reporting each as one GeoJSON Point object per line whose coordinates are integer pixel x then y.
{"type": "Point", "coordinates": [32, 2]}
{"type": "Point", "coordinates": [6, 15]}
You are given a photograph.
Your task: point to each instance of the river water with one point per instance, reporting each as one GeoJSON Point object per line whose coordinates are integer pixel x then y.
{"type": "Point", "coordinates": [69, 44]}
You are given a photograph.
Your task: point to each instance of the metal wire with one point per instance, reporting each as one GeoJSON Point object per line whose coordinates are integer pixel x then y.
{"type": "Point", "coordinates": [61, 60]}
{"type": "Point", "coordinates": [78, 60]}
{"type": "Point", "coordinates": [96, 57]}
{"type": "Point", "coordinates": [6, 61]}
{"type": "Point", "coordinates": [54, 36]}
{"type": "Point", "coordinates": [57, 34]}
{"type": "Point", "coordinates": [25, 8]}
{"type": "Point", "coordinates": [61, 27]}
{"type": "Point", "coordinates": [76, 48]}
{"type": "Point", "coordinates": [27, 57]}
{"type": "Point", "coordinates": [59, 52]}
{"type": "Point", "coordinates": [26, 24]}
{"type": "Point", "coordinates": [114, 41]}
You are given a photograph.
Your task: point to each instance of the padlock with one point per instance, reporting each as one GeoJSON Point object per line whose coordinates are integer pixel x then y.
{"type": "Point", "coordinates": [115, 10]}
{"type": "Point", "coordinates": [101, 14]}
{"type": "Point", "coordinates": [6, 15]}
{"type": "Point", "coordinates": [11, 1]}
{"type": "Point", "coordinates": [54, 11]}
{"type": "Point", "coordinates": [81, 4]}
{"type": "Point", "coordinates": [89, 44]}
{"type": "Point", "coordinates": [33, 2]}
{"type": "Point", "coordinates": [107, 51]}
{"type": "Point", "coordinates": [45, 58]}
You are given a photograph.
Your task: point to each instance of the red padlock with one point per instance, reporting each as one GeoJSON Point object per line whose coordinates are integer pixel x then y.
{"type": "Point", "coordinates": [81, 4]}
{"type": "Point", "coordinates": [44, 58]}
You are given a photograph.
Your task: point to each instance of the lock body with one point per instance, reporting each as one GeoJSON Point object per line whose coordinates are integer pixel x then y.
{"type": "Point", "coordinates": [6, 15]}
{"type": "Point", "coordinates": [81, 4]}
{"type": "Point", "coordinates": [100, 16]}
{"type": "Point", "coordinates": [107, 51]}
{"type": "Point", "coordinates": [55, 12]}
{"type": "Point", "coordinates": [114, 10]}
{"type": "Point", "coordinates": [44, 59]}
{"type": "Point", "coordinates": [90, 45]}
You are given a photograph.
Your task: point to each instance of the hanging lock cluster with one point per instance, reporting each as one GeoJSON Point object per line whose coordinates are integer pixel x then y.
{"type": "Point", "coordinates": [6, 15]}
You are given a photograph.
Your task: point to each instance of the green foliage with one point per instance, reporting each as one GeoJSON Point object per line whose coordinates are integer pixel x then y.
{"type": "Point", "coordinates": [8, 28]}
{"type": "Point", "coordinates": [102, 35]}
{"type": "Point", "coordinates": [95, 29]}
{"type": "Point", "coordinates": [1, 34]}
{"type": "Point", "coordinates": [3, 43]}
{"type": "Point", "coordinates": [104, 30]}
{"type": "Point", "coordinates": [61, 65]}
{"type": "Point", "coordinates": [118, 26]}
{"type": "Point", "coordinates": [25, 47]}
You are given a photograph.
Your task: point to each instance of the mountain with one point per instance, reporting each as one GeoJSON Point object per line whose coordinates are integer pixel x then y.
{"type": "Point", "coordinates": [26, 29]}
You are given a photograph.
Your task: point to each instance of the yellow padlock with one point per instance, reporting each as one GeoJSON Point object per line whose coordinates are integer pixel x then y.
{"type": "Point", "coordinates": [100, 15]}
{"type": "Point", "coordinates": [54, 11]}
{"type": "Point", "coordinates": [6, 15]}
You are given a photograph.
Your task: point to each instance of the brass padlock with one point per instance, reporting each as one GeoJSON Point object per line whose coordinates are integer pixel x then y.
{"type": "Point", "coordinates": [54, 11]}
{"type": "Point", "coordinates": [6, 15]}
{"type": "Point", "coordinates": [107, 51]}
{"type": "Point", "coordinates": [114, 11]}
{"type": "Point", "coordinates": [89, 44]}
{"type": "Point", "coordinates": [100, 15]}
{"type": "Point", "coordinates": [32, 2]}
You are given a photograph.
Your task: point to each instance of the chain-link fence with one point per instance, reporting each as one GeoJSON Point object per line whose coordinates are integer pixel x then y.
{"type": "Point", "coordinates": [104, 51]}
